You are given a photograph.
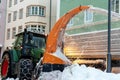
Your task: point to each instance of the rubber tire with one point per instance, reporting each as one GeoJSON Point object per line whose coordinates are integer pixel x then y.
{"type": "Point", "coordinates": [25, 69]}
{"type": "Point", "coordinates": [6, 55]}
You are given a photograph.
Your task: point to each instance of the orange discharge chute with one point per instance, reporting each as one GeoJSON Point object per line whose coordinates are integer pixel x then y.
{"type": "Point", "coordinates": [56, 35]}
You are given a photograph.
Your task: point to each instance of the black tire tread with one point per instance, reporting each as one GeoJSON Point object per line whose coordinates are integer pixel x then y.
{"type": "Point", "coordinates": [25, 69]}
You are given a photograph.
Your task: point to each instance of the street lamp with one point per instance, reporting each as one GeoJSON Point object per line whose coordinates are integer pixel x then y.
{"type": "Point", "coordinates": [109, 38]}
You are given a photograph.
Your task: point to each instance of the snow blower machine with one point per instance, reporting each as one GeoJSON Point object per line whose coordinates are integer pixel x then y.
{"type": "Point", "coordinates": [24, 60]}
{"type": "Point", "coordinates": [54, 58]}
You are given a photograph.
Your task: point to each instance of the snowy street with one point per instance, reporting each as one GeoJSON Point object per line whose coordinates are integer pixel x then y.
{"type": "Point", "coordinates": [76, 72]}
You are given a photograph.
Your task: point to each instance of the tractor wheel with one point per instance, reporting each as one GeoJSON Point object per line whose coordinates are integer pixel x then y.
{"type": "Point", "coordinates": [25, 69]}
{"type": "Point", "coordinates": [5, 67]}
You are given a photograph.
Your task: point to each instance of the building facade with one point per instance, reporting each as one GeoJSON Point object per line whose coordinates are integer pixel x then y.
{"type": "Point", "coordinates": [88, 20]}
{"type": "Point", "coordinates": [42, 15]}
{"type": "Point", "coordinates": [32, 14]}
{"type": "Point", "coordinates": [2, 23]}
{"type": "Point", "coordinates": [95, 3]}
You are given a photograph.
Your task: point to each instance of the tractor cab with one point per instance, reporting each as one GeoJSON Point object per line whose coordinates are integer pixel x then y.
{"type": "Point", "coordinates": [31, 44]}
{"type": "Point", "coordinates": [31, 39]}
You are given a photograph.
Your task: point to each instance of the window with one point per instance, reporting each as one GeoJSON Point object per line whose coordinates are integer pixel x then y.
{"type": "Point", "coordinates": [41, 13]}
{"type": "Point", "coordinates": [36, 28]}
{"type": "Point", "coordinates": [15, 2]}
{"type": "Point", "coordinates": [13, 32]}
{"type": "Point", "coordinates": [9, 17]}
{"type": "Point", "coordinates": [20, 13]}
{"type": "Point", "coordinates": [19, 29]}
{"type": "Point", "coordinates": [14, 15]}
{"type": "Point", "coordinates": [33, 10]}
{"type": "Point", "coordinates": [42, 28]}
{"type": "Point", "coordinates": [10, 3]}
{"type": "Point", "coordinates": [115, 6]}
{"type": "Point", "coordinates": [33, 27]}
{"type": "Point", "coordinates": [21, 0]}
{"type": "Point", "coordinates": [0, 1]}
{"type": "Point", "coordinates": [8, 34]}
{"type": "Point", "coordinates": [88, 16]}
{"type": "Point", "coordinates": [36, 10]}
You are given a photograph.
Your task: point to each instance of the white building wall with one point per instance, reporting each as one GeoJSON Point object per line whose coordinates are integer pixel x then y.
{"type": "Point", "coordinates": [2, 24]}
{"type": "Point", "coordinates": [31, 19]}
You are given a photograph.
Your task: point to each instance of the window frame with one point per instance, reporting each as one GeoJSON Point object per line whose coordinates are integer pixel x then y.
{"type": "Point", "coordinates": [38, 27]}
{"type": "Point", "coordinates": [9, 17]}
{"type": "Point", "coordinates": [88, 16]}
{"type": "Point", "coordinates": [14, 15]}
{"type": "Point", "coordinates": [8, 34]}
{"type": "Point", "coordinates": [21, 13]}
{"type": "Point", "coordinates": [21, 0]}
{"type": "Point", "coordinates": [20, 29]}
{"type": "Point", "coordinates": [15, 2]}
{"type": "Point", "coordinates": [36, 10]}
{"type": "Point", "coordinates": [13, 32]}
{"type": "Point", "coordinates": [116, 5]}
{"type": "Point", "coordinates": [10, 3]}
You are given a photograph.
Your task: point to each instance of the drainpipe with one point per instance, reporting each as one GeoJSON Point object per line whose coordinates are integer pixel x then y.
{"type": "Point", "coordinates": [50, 16]}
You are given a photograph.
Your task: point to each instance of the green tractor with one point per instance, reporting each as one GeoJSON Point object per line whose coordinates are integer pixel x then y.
{"type": "Point", "coordinates": [21, 60]}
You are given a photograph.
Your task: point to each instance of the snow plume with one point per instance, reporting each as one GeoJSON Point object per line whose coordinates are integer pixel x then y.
{"type": "Point", "coordinates": [77, 72]}
{"type": "Point", "coordinates": [61, 55]}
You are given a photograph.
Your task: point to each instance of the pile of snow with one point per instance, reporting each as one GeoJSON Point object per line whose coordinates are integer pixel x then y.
{"type": "Point", "coordinates": [12, 79]}
{"type": "Point", "coordinates": [55, 75]}
{"type": "Point", "coordinates": [76, 72]}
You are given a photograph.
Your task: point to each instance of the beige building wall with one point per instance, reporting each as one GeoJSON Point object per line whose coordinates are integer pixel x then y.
{"type": "Point", "coordinates": [2, 24]}
{"type": "Point", "coordinates": [30, 20]}
{"type": "Point", "coordinates": [54, 12]}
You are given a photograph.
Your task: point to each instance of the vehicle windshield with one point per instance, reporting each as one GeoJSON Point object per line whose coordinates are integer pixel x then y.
{"type": "Point", "coordinates": [39, 42]}
{"type": "Point", "coordinates": [36, 42]}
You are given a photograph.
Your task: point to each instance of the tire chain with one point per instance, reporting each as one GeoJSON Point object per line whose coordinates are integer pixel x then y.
{"type": "Point", "coordinates": [25, 67]}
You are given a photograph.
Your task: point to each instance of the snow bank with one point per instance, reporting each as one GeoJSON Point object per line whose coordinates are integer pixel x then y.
{"type": "Point", "coordinates": [76, 72]}
{"type": "Point", "coordinates": [55, 75]}
{"type": "Point", "coordinates": [12, 79]}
